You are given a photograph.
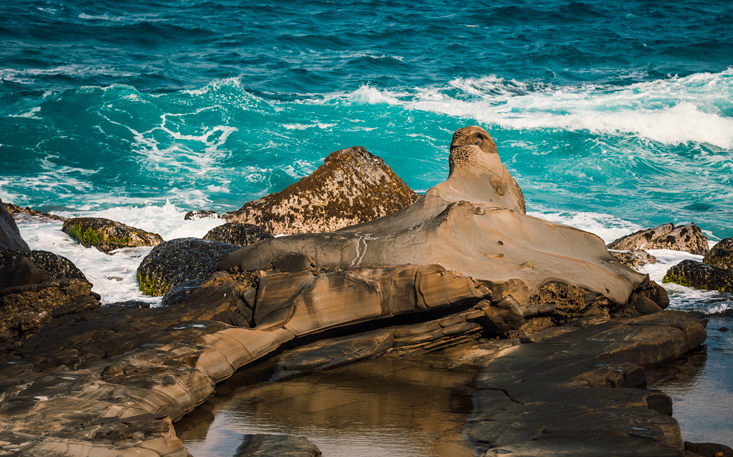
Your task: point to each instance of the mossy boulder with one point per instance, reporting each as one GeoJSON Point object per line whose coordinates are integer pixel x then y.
{"type": "Point", "coordinates": [177, 261]}
{"type": "Point", "coordinates": [721, 255]}
{"type": "Point", "coordinates": [238, 233]}
{"type": "Point", "coordinates": [107, 235]}
{"type": "Point", "coordinates": [698, 275]}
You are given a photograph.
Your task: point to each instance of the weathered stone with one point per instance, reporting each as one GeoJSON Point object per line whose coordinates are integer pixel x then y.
{"type": "Point", "coordinates": [9, 234]}
{"type": "Point", "coordinates": [352, 186]}
{"type": "Point", "coordinates": [721, 255]}
{"type": "Point", "coordinates": [687, 238]}
{"type": "Point", "coordinates": [176, 261]}
{"type": "Point", "coordinates": [277, 446]}
{"type": "Point", "coordinates": [238, 234]}
{"type": "Point", "coordinates": [107, 235]}
{"type": "Point", "coordinates": [634, 259]}
{"type": "Point", "coordinates": [37, 267]}
{"type": "Point", "coordinates": [708, 450]}
{"type": "Point", "coordinates": [31, 215]}
{"type": "Point", "coordinates": [690, 273]}
{"type": "Point", "coordinates": [200, 214]}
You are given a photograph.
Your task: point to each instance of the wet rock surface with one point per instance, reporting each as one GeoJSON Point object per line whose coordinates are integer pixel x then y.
{"type": "Point", "coordinates": [634, 259]}
{"type": "Point", "coordinates": [238, 234]}
{"type": "Point", "coordinates": [688, 238]}
{"type": "Point", "coordinates": [107, 235]}
{"type": "Point", "coordinates": [200, 214]}
{"type": "Point", "coordinates": [27, 214]}
{"type": "Point", "coordinates": [352, 186]}
{"type": "Point", "coordinates": [721, 255]}
{"type": "Point", "coordinates": [177, 261]}
{"type": "Point", "coordinates": [707, 450]}
{"type": "Point", "coordinates": [690, 273]}
{"type": "Point", "coordinates": [277, 446]}
{"type": "Point", "coordinates": [9, 234]}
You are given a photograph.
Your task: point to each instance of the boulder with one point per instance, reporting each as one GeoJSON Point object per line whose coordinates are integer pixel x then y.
{"type": "Point", "coordinates": [688, 238]}
{"type": "Point", "coordinates": [707, 450]}
{"type": "Point", "coordinates": [200, 214]}
{"type": "Point", "coordinates": [177, 261]}
{"type": "Point", "coordinates": [352, 186]}
{"type": "Point", "coordinates": [31, 215]}
{"type": "Point", "coordinates": [690, 273]}
{"type": "Point", "coordinates": [19, 268]}
{"type": "Point", "coordinates": [9, 234]}
{"type": "Point", "coordinates": [238, 233]}
{"type": "Point", "coordinates": [634, 259]}
{"type": "Point", "coordinates": [107, 235]}
{"type": "Point", "coordinates": [277, 446]}
{"type": "Point", "coordinates": [721, 255]}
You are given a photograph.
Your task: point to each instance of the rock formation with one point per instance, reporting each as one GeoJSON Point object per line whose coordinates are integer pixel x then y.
{"type": "Point", "coordinates": [721, 255]}
{"type": "Point", "coordinates": [688, 238]}
{"type": "Point", "coordinates": [9, 234]}
{"type": "Point", "coordinates": [238, 233]}
{"type": "Point", "coordinates": [31, 215]}
{"type": "Point", "coordinates": [352, 186]}
{"type": "Point", "coordinates": [107, 235]}
{"type": "Point", "coordinates": [634, 259]}
{"type": "Point", "coordinates": [200, 214]}
{"type": "Point", "coordinates": [715, 272]}
{"type": "Point", "coordinates": [277, 446]}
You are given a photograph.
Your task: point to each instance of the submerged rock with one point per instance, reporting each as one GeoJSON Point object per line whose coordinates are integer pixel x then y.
{"type": "Point", "coordinates": [352, 186]}
{"type": "Point", "coordinates": [238, 233]}
{"type": "Point", "coordinates": [107, 235]}
{"type": "Point", "coordinates": [688, 238]}
{"type": "Point", "coordinates": [690, 273]}
{"type": "Point", "coordinates": [634, 259]}
{"type": "Point", "coordinates": [177, 261]}
{"type": "Point", "coordinates": [277, 446]}
{"type": "Point", "coordinates": [9, 234]}
{"type": "Point", "coordinates": [31, 215]}
{"type": "Point", "coordinates": [721, 255]}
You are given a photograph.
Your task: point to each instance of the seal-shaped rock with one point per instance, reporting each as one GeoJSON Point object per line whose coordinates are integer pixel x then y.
{"type": "Point", "coordinates": [238, 233]}
{"type": "Point", "coordinates": [107, 235]}
{"type": "Point", "coordinates": [352, 186]}
{"type": "Point", "coordinates": [9, 234]}
{"type": "Point", "coordinates": [687, 238]}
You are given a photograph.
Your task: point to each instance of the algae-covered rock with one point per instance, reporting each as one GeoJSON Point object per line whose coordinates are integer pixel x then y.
{"type": "Point", "coordinates": [690, 273]}
{"type": "Point", "coordinates": [107, 235]}
{"type": "Point", "coordinates": [688, 238]}
{"type": "Point", "coordinates": [238, 233]}
{"type": "Point", "coordinates": [176, 261]}
{"type": "Point", "coordinates": [352, 186]}
{"type": "Point", "coordinates": [721, 255]}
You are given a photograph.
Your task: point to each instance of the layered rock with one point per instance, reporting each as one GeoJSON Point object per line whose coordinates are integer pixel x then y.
{"type": "Point", "coordinates": [352, 186]}
{"type": "Point", "coordinates": [690, 273]}
{"type": "Point", "coordinates": [107, 235]}
{"type": "Point", "coordinates": [27, 214]}
{"type": "Point", "coordinates": [9, 234]}
{"type": "Point", "coordinates": [688, 238]}
{"type": "Point", "coordinates": [178, 261]}
{"type": "Point", "coordinates": [238, 233]}
{"type": "Point", "coordinates": [634, 259]}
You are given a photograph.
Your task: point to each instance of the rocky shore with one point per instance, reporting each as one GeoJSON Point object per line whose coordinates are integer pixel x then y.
{"type": "Point", "coordinates": [562, 330]}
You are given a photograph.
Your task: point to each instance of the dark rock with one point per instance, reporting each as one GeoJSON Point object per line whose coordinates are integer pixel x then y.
{"type": "Point", "coordinates": [130, 304]}
{"type": "Point", "coordinates": [687, 238]}
{"type": "Point", "coordinates": [723, 329]}
{"type": "Point", "coordinates": [634, 259]}
{"type": "Point", "coordinates": [107, 235]}
{"type": "Point", "coordinates": [9, 234]}
{"type": "Point", "coordinates": [651, 291]}
{"type": "Point", "coordinates": [708, 449]}
{"type": "Point", "coordinates": [277, 446]}
{"type": "Point", "coordinates": [200, 214]}
{"type": "Point", "coordinates": [176, 261]}
{"type": "Point", "coordinates": [31, 215]}
{"type": "Point", "coordinates": [352, 186]}
{"type": "Point", "coordinates": [180, 292]}
{"type": "Point", "coordinates": [238, 233]}
{"type": "Point", "coordinates": [690, 273]}
{"type": "Point", "coordinates": [38, 266]}
{"type": "Point", "coordinates": [721, 255]}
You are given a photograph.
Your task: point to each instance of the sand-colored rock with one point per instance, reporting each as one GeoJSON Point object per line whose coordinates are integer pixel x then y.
{"type": "Point", "coordinates": [107, 235]}
{"type": "Point", "coordinates": [688, 238]}
{"type": "Point", "coordinates": [9, 234]}
{"type": "Point", "coordinates": [352, 186]}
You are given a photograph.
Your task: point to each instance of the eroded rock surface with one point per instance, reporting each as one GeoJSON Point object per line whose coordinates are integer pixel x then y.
{"type": "Point", "coordinates": [721, 255]}
{"type": "Point", "coordinates": [352, 186]}
{"type": "Point", "coordinates": [107, 235]}
{"type": "Point", "coordinates": [200, 214]}
{"type": "Point", "coordinates": [688, 238]}
{"type": "Point", "coordinates": [238, 234]}
{"type": "Point", "coordinates": [690, 273]}
{"type": "Point", "coordinates": [9, 234]}
{"type": "Point", "coordinates": [27, 214]}
{"type": "Point", "coordinates": [634, 259]}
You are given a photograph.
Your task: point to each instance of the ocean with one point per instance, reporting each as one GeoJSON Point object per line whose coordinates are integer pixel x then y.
{"type": "Point", "coordinates": [611, 116]}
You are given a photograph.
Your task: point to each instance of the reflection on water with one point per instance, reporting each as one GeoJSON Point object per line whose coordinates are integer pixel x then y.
{"type": "Point", "coordinates": [701, 387]}
{"type": "Point", "coordinates": [408, 406]}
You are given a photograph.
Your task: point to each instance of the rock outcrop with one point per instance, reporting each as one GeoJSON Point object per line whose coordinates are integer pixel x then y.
{"type": "Point", "coordinates": [238, 234]}
{"type": "Point", "coordinates": [634, 259]}
{"type": "Point", "coordinates": [690, 273]}
{"type": "Point", "coordinates": [178, 261]}
{"type": "Point", "coordinates": [352, 186]}
{"type": "Point", "coordinates": [200, 214]}
{"type": "Point", "coordinates": [107, 235]}
{"type": "Point", "coordinates": [9, 234]}
{"type": "Point", "coordinates": [688, 238]}
{"type": "Point", "coordinates": [721, 255]}
{"type": "Point", "coordinates": [277, 446]}
{"type": "Point", "coordinates": [27, 214]}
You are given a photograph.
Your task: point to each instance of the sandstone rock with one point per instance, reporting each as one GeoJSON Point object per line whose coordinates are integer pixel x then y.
{"type": "Point", "coordinates": [277, 446]}
{"type": "Point", "coordinates": [352, 186]}
{"type": "Point", "coordinates": [634, 259]}
{"type": "Point", "coordinates": [31, 215]}
{"type": "Point", "coordinates": [176, 261]}
{"type": "Point", "coordinates": [690, 273]}
{"type": "Point", "coordinates": [9, 234]}
{"type": "Point", "coordinates": [107, 235]}
{"type": "Point", "coordinates": [687, 238]}
{"type": "Point", "coordinates": [721, 255]}
{"type": "Point", "coordinates": [200, 214]}
{"type": "Point", "coordinates": [238, 234]}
